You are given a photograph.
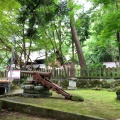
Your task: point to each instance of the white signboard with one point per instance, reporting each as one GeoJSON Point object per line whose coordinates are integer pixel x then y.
{"type": "Point", "coordinates": [14, 74]}
{"type": "Point", "coordinates": [13, 65]}
{"type": "Point", "coordinates": [72, 83]}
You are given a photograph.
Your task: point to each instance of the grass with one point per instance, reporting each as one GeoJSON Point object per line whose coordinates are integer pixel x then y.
{"type": "Point", "coordinates": [96, 103]}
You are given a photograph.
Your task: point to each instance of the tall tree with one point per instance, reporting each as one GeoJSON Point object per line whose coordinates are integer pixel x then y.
{"type": "Point", "coordinates": [81, 58]}
{"type": "Point", "coordinates": [8, 28]}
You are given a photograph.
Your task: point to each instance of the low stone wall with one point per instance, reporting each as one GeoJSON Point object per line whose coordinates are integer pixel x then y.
{"type": "Point", "coordinates": [45, 112]}
{"type": "Point", "coordinates": [0, 105]}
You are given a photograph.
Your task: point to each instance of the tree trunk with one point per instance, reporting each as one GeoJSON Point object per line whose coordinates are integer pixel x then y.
{"type": "Point", "coordinates": [78, 47]}
{"type": "Point", "coordinates": [118, 40]}
{"type": "Point", "coordinates": [73, 51]}
{"type": "Point", "coordinates": [24, 46]}
{"type": "Point", "coordinates": [81, 58]}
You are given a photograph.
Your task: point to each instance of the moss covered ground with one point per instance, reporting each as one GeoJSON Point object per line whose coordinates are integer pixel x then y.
{"type": "Point", "coordinates": [96, 103]}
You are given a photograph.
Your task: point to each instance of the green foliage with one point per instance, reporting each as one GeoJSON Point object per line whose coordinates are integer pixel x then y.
{"type": "Point", "coordinates": [8, 27]}
{"type": "Point", "coordinates": [105, 26]}
{"type": "Point", "coordinates": [82, 84]}
{"type": "Point", "coordinates": [97, 83]}
{"type": "Point", "coordinates": [118, 91]}
{"type": "Point", "coordinates": [82, 25]}
{"type": "Point", "coordinates": [106, 84]}
{"type": "Point", "coordinates": [36, 13]}
{"type": "Point", "coordinates": [64, 84]}
{"type": "Point", "coordinates": [46, 24]}
{"type": "Point", "coordinates": [54, 81]}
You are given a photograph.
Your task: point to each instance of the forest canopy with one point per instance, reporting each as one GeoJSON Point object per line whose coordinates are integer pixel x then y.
{"type": "Point", "coordinates": [66, 30]}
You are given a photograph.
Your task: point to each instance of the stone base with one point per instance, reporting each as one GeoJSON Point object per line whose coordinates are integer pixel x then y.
{"type": "Point", "coordinates": [73, 79]}
{"type": "Point", "coordinates": [36, 91]}
{"type": "Point", "coordinates": [36, 95]}
{"type": "Point", "coordinates": [71, 88]}
{"type": "Point", "coordinates": [31, 90]}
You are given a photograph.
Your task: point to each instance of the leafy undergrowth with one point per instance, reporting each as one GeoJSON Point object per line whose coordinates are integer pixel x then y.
{"type": "Point", "coordinates": [96, 103]}
{"type": "Point", "coordinates": [10, 115]}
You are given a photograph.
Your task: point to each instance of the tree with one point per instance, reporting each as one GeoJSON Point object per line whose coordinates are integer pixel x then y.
{"type": "Point", "coordinates": [75, 37]}
{"type": "Point", "coordinates": [8, 27]}
{"type": "Point", "coordinates": [107, 22]}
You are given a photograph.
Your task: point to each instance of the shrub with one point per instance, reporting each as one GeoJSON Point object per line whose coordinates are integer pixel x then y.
{"type": "Point", "coordinates": [88, 83]}
{"type": "Point", "coordinates": [82, 84]}
{"type": "Point", "coordinates": [118, 91]}
{"type": "Point", "coordinates": [117, 82]}
{"type": "Point", "coordinates": [105, 84]}
{"type": "Point", "coordinates": [77, 98]}
{"type": "Point", "coordinates": [65, 84]}
{"type": "Point", "coordinates": [54, 81]}
{"type": "Point", "coordinates": [95, 83]}
{"type": "Point", "coordinates": [23, 80]}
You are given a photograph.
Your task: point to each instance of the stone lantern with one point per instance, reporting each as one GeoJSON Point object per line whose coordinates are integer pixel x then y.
{"type": "Point", "coordinates": [72, 79]}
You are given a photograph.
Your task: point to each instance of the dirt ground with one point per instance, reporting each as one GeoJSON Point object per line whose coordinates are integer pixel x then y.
{"type": "Point", "coordinates": [12, 115]}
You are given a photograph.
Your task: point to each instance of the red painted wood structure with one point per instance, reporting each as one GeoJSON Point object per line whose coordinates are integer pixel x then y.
{"type": "Point", "coordinates": [43, 78]}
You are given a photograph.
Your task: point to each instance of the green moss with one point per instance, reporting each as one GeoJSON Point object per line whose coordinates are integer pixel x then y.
{"type": "Point", "coordinates": [95, 103]}
{"type": "Point", "coordinates": [77, 98]}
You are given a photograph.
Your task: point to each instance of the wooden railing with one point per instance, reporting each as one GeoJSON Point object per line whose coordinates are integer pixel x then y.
{"type": "Point", "coordinates": [56, 72]}
{"type": "Point", "coordinates": [84, 73]}
{"type": "Point", "coordinates": [100, 72]}
{"type": "Point", "coordinates": [3, 74]}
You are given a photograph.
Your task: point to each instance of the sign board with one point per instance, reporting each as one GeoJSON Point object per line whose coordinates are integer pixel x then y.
{"type": "Point", "coordinates": [72, 83]}
{"type": "Point", "coordinates": [13, 65]}
{"type": "Point", "coordinates": [14, 74]}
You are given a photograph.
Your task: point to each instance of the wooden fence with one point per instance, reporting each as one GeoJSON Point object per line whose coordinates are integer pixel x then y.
{"type": "Point", "coordinates": [83, 73]}
{"type": "Point", "coordinates": [56, 72]}
{"type": "Point", "coordinates": [3, 74]}
{"type": "Point", "coordinates": [100, 72]}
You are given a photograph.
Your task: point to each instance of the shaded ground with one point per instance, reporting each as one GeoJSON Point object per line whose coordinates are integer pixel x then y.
{"type": "Point", "coordinates": [11, 115]}
{"type": "Point", "coordinates": [15, 90]}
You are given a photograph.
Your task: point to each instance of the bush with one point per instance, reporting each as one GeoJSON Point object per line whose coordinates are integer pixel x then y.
{"type": "Point", "coordinates": [88, 83]}
{"type": "Point", "coordinates": [117, 82]}
{"type": "Point", "coordinates": [82, 84]}
{"type": "Point", "coordinates": [65, 84]}
{"type": "Point", "coordinates": [118, 91]}
{"type": "Point", "coordinates": [95, 83]}
{"type": "Point", "coordinates": [23, 80]}
{"type": "Point", "coordinates": [106, 84]}
{"type": "Point", "coordinates": [54, 81]}
{"type": "Point", "coordinates": [77, 98]}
